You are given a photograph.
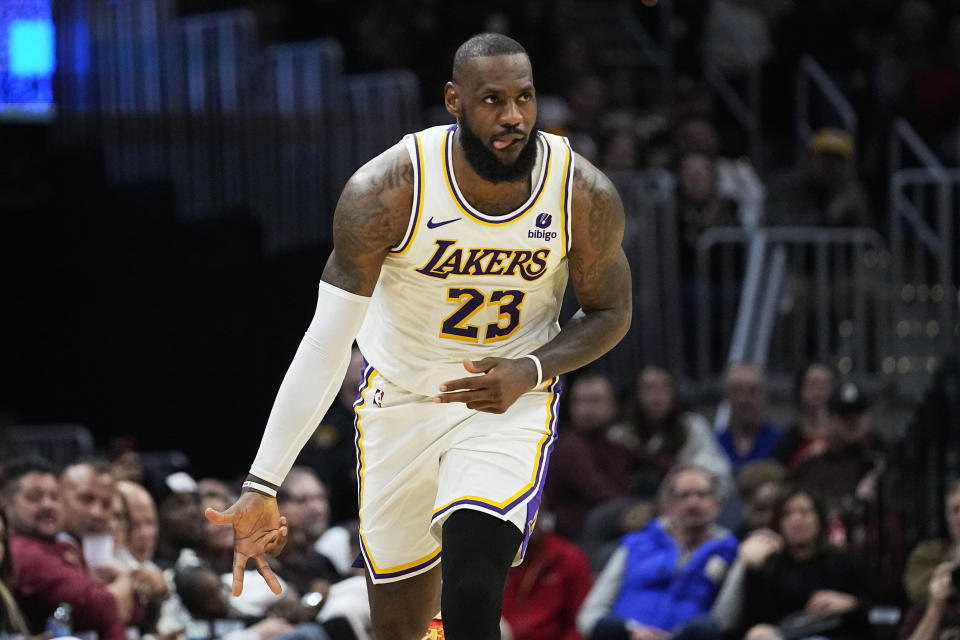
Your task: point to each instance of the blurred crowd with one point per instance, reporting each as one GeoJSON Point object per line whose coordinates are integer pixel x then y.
{"type": "Point", "coordinates": [655, 524]}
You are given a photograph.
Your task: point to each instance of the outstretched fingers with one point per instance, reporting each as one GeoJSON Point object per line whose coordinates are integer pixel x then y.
{"type": "Point", "coordinates": [264, 570]}
{"type": "Point", "coordinates": [239, 566]}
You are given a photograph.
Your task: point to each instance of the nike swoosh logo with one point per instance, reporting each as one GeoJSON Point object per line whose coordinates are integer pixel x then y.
{"type": "Point", "coordinates": [433, 225]}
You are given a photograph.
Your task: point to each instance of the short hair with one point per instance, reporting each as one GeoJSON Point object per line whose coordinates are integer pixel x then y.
{"type": "Point", "coordinates": [754, 475]}
{"type": "Point", "coordinates": [745, 365]}
{"type": "Point", "coordinates": [666, 485]}
{"type": "Point", "coordinates": [283, 493]}
{"type": "Point", "coordinates": [100, 466]}
{"type": "Point", "coordinates": [484, 45]}
{"type": "Point", "coordinates": [13, 471]}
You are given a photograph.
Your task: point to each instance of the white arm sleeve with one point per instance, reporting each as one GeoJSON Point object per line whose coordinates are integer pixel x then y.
{"type": "Point", "coordinates": [311, 382]}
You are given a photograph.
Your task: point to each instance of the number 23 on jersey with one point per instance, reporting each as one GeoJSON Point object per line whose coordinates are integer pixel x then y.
{"type": "Point", "coordinates": [457, 325]}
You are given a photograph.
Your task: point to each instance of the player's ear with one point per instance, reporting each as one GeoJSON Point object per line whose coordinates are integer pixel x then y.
{"type": "Point", "coordinates": [451, 99]}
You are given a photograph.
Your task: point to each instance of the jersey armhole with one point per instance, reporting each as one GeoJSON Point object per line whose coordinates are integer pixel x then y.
{"type": "Point", "coordinates": [567, 196]}
{"type": "Point", "coordinates": [414, 147]}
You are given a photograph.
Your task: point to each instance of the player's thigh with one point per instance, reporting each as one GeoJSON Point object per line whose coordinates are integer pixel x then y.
{"type": "Point", "coordinates": [399, 447]}
{"type": "Point", "coordinates": [402, 610]}
{"type": "Point", "coordinates": [498, 463]}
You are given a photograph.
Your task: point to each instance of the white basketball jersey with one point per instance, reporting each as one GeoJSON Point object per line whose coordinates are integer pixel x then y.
{"type": "Point", "coordinates": [466, 284]}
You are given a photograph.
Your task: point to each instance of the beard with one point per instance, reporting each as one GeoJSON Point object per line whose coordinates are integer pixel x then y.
{"type": "Point", "coordinates": [486, 163]}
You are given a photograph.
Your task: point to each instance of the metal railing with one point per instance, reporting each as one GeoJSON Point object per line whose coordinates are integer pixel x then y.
{"type": "Point", "coordinates": [811, 76]}
{"type": "Point", "coordinates": [924, 205]}
{"type": "Point", "coordinates": [650, 244]}
{"type": "Point", "coordinates": [272, 133]}
{"type": "Point", "coordinates": [744, 105]}
{"type": "Point", "coordinates": [804, 293]}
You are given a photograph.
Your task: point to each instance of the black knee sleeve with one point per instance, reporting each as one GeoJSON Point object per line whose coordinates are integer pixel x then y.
{"type": "Point", "coordinates": [478, 550]}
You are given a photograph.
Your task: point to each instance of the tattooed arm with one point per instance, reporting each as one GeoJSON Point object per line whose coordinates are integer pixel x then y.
{"type": "Point", "coordinates": [371, 217]}
{"type": "Point", "coordinates": [599, 273]}
{"type": "Point", "coordinates": [601, 280]}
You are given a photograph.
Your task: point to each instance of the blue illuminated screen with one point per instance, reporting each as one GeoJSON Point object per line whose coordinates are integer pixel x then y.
{"type": "Point", "coordinates": [27, 59]}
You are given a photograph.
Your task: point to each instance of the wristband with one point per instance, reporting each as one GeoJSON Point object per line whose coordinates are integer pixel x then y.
{"type": "Point", "coordinates": [536, 361]}
{"type": "Point", "coordinates": [262, 488]}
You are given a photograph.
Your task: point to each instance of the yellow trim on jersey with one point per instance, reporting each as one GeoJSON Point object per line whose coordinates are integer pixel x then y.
{"type": "Point", "coordinates": [418, 195]}
{"type": "Point", "coordinates": [369, 554]}
{"type": "Point", "coordinates": [541, 186]}
{"type": "Point", "coordinates": [566, 198]}
{"type": "Point", "coordinates": [536, 465]}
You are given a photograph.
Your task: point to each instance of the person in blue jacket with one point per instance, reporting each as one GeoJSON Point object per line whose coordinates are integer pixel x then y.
{"type": "Point", "coordinates": [666, 575]}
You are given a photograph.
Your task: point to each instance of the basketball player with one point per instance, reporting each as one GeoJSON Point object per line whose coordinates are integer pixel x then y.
{"type": "Point", "coordinates": [451, 255]}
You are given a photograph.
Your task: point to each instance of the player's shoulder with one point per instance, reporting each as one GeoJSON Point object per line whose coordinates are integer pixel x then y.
{"type": "Point", "coordinates": [592, 189]}
{"type": "Point", "coordinates": [391, 170]}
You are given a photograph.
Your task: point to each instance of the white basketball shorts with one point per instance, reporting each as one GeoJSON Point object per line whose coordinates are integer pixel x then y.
{"type": "Point", "coordinates": [419, 461]}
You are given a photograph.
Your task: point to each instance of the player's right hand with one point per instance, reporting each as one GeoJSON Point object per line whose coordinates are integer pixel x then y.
{"type": "Point", "coordinates": [258, 529]}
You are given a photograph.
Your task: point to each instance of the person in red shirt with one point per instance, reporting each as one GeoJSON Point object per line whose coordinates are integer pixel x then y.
{"type": "Point", "coordinates": [544, 594]}
{"type": "Point", "coordinates": [47, 572]}
{"type": "Point", "coordinates": [586, 468]}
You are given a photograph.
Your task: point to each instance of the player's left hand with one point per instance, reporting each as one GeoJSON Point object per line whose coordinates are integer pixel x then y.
{"type": "Point", "coordinates": [503, 380]}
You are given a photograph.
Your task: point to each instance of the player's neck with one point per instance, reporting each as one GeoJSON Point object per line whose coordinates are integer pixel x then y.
{"type": "Point", "coordinates": [488, 197]}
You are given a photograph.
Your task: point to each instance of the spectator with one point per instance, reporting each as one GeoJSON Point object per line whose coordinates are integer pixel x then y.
{"type": "Point", "coordinates": [795, 584]}
{"type": "Point", "coordinates": [846, 475]}
{"type": "Point", "coordinates": [940, 617]}
{"type": "Point", "coordinates": [217, 547]}
{"type": "Point", "coordinates": [203, 598]}
{"type": "Point", "coordinates": [662, 434]}
{"type": "Point", "coordinates": [586, 468]}
{"type": "Point", "coordinates": [181, 519]}
{"type": "Point", "coordinates": [759, 487]}
{"type": "Point", "coordinates": [619, 152]}
{"type": "Point", "coordinates": [86, 493]}
{"type": "Point", "coordinates": [11, 620]}
{"type": "Point", "coordinates": [823, 194]}
{"type": "Point", "coordinates": [305, 490]}
{"type": "Point", "coordinates": [300, 564]}
{"type": "Point", "coordinates": [215, 487]}
{"type": "Point", "coordinates": [143, 532]}
{"type": "Point", "coordinates": [47, 571]}
{"type": "Point", "coordinates": [119, 525]}
{"type": "Point", "coordinates": [668, 574]}
{"type": "Point", "coordinates": [544, 593]}
{"type": "Point", "coordinates": [137, 555]}
{"type": "Point", "coordinates": [807, 436]}
{"type": "Point", "coordinates": [700, 206]}
{"type": "Point", "coordinates": [748, 434]}
{"type": "Point", "coordinates": [929, 554]}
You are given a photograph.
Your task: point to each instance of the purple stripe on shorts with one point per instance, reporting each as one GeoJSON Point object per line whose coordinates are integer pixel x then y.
{"type": "Point", "coordinates": [534, 505]}
{"type": "Point", "coordinates": [537, 489]}
{"type": "Point", "coordinates": [364, 372]}
{"type": "Point", "coordinates": [393, 574]}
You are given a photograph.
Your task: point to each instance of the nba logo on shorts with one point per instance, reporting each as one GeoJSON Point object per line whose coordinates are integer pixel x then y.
{"type": "Point", "coordinates": [378, 397]}
{"type": "Point", "coordinates": [544, 220]}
